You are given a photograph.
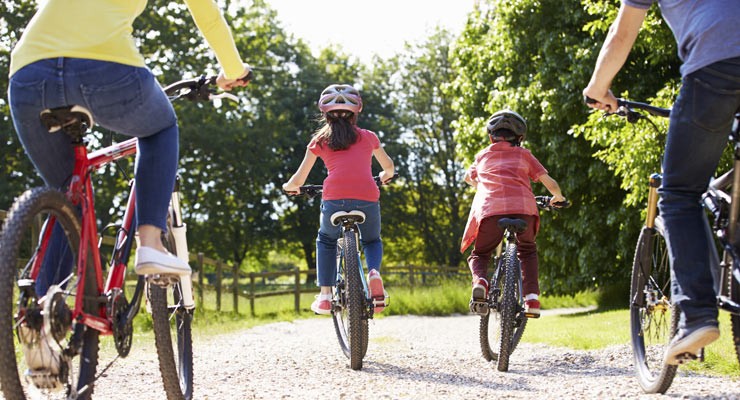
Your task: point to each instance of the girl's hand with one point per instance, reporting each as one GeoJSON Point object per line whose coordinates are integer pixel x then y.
{"type": "Point", "coordinates": [384, 177]}
{"type": "Point", "coordinates": [291, 189]}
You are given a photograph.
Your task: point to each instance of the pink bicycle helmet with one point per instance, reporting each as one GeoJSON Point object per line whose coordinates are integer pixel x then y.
{"type": "Point", "coordinates": [340, 97]}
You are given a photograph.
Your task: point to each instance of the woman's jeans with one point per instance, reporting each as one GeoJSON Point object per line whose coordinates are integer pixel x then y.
{"type": "Point", "coordinates": [122, 98]}
{"type": "Point", "coordinates": [326, 242]}
{"type": "Point", "coordinates": [700, 123]}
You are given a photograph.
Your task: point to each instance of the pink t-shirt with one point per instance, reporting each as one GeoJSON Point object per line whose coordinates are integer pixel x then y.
{"type": "Point", "coordinates": [349, 172]}
{"type": "Point", "coordinates": [503, 172]}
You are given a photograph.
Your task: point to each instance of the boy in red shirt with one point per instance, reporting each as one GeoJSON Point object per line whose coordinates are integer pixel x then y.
{"type": "Point", "coordinates": [347, 151]}
{"type": "Point", "coordinates": [501, 174]}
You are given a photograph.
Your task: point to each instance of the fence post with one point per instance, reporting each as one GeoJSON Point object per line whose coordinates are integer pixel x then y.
{"type": "Point", "coordinates": [201, 272]}
{"type": "Point", "coordinates": [235, 289]}
{"type": "Point", "coordinates": [219, 273]}
{"type": "Point", "coordinates": [297, 290]}
{"type": "Point", "coordinates": [411, 277]}
{"type": "Point", "coordinates": [251, 293]}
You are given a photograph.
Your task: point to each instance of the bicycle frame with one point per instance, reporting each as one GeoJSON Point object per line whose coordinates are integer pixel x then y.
{"type": "Point", "coordinates": [80, 193]}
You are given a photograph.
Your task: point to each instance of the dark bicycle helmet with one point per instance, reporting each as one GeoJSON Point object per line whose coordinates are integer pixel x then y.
{"type": "Point", "coordinates": [507, 120]}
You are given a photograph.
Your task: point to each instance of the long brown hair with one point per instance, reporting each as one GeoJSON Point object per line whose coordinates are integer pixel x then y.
{"type": "Point", "coordinates": [337, 130]}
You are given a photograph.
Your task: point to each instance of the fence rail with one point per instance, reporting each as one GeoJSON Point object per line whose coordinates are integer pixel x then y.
{"type": "Point", "coordinates": [214, 274]}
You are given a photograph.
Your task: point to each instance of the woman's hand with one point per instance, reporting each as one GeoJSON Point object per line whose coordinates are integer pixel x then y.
{"type": "Point", "coordinates": [227, 84]}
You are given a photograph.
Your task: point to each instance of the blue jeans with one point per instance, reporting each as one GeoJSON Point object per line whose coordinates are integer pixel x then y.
{"type": "Point", "coordinates": [122, 98]}
{"type": "Point", "coordinates": [700, 122]}
{"type": "Point", "coordinates": [326, 241]}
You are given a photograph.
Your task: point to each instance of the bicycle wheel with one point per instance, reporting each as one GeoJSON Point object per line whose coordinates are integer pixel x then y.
{"type": "Point", "coordinates": [735, 296]}
{"type": "Point", "coordinates": [40, 341]}
{"type": "Point", "coordinates": [653, 320]}
{"type": "Point", "coordinates": [340, 311]}
{"type": "Point", "coordinates": [490, 324]}
{"type": "Point", "coordinates": [170, 320]}
{"type": "Point", "coordinates": [508, 307]}
{"type": "Point", "coordinates": [356, 303]}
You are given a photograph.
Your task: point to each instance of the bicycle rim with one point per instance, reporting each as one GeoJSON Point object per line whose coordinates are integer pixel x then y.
{"type": "Point", "coordinates": [489, 331]}
{"type": "Point", "coordinates": [356, 303]}
{"type": "Point", "coordinates": [35, 345]}
{"type": "Point", "coordinates": [653, 320]}
{"type": "Point", "coordinates": [171, 322]}
{"type": "Point", "coordinates": [509, 301]}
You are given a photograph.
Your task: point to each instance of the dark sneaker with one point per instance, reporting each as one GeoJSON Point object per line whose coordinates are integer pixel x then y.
{"type": "Point", "coordinates": [322, 304]}
{"type": "Point", "coordinates": [687, 344]}
{"type": "Point", "coordinates": [480, 290]}
{"type": "Point", "coordinates": [532, 308]}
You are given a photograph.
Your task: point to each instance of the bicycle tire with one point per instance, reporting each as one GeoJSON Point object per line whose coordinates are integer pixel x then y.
{"type": "Point", "coordinates": [356, 303]}
{"type": "Point", "coordinates": [18, 242]}
{"type": "Point", "coordinates": [509, 302]}
{"type": "Point", "coordinates": [340, 314]}
{"type": "Point", "coordinates": [653, 319]}
{"type": "Point", "coordinates": [735, 319]}
{"type": "Point", "coordinates": [177, 373]}
{"type": "Point", "coordinates": [490, 324]}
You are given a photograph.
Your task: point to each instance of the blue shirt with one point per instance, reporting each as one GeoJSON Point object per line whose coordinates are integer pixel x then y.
{"type": "Point", "coordinates": [706, 31]}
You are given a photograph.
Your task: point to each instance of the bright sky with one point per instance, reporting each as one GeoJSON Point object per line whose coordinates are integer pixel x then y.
{"type": "Point", "coordinates": [367, 27]}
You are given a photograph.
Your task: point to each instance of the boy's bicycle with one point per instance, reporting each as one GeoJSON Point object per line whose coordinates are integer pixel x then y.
{"type": "Point", "coordinates": [653, 317]}
{"type": "Point", "coordinates": [49, 341]}
{"type": "Point", "coordinates": [351, 304]}
{"type": "Point", "coordinates": [503, 318]}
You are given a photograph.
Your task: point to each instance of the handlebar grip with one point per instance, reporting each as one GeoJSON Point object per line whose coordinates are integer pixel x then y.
{"type": "Point", "coordinates": [589, 100]}
{"type": "Point", "coordinates": [247, 78]}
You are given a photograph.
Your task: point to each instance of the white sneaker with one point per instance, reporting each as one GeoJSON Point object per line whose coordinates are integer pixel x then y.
{"type": "Point", "coordinates": [150, 261]}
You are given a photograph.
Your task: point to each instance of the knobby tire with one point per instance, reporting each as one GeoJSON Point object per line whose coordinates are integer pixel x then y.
{"type": "Point", "coordinates": [17, 246]}
{"type": "Point", "coordinates": [340, 315]}
{"type": "Point", "coordinates": [356, 302]}
{"type": "Point", "coordinates": [651, 327]}
{"type": "Point", "coordinates": [175, 364]}
{"type": "Point", "coordinates": [509, 303]}
{"type": "Point", "coordinates": [490, 324]}
{"type": "Point", "coordinates": [735, 297]}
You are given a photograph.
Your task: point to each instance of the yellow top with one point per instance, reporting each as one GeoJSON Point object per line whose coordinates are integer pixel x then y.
{"type": "Point", "coordinates": [101, 30]}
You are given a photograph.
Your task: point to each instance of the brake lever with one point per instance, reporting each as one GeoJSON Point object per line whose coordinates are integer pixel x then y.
{"type": "Point", "coordinates": [223, 95]}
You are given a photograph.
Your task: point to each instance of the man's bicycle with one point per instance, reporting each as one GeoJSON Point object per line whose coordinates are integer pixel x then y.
{"type": "Point", "coordinates": [653, 317]}
{"type": "Point", "coordinates": [49, 340]}
{"type": "Point", "coordinates": [503, 319]}
{"type": "Point", "coordinates": [351, 304]}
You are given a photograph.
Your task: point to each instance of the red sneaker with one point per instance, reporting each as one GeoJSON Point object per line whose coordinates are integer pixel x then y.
{"type": "Point", "coordinates": [532, 308]}
{"type": "Point", "coordinates": [377, 292]}
{"type": "Point", "coordinates": [322, 304]}
{"type": "Point", "coordinates": [480, 290]}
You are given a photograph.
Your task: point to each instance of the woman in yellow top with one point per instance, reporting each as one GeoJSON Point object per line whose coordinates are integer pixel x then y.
{"type": "Point", "coordinates": [83, 53]}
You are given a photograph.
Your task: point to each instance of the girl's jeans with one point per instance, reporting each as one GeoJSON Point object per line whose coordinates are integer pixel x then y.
{"type": "Point", "coordinates": [700, 122]}
{"type": "Point", "coordinates": [122, 98]}
{"type": "Point", "coordinates": [489, 237]}
{"type": "Point", "coordinates": [326, 241]}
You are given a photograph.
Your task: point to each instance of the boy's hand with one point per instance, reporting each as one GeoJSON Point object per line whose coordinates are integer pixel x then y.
{"type": "Point", "coordinates": [556, 198]}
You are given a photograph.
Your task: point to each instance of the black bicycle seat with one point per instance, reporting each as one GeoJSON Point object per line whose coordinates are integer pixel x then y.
{"type": "Point", "coordinates": [514, 224]}
{"type": "Point", "coordinates": [73, 120]}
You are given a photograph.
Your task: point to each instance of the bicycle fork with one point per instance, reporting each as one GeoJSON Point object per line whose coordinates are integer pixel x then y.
{"type": "Point", "coordinates": [179, 230]}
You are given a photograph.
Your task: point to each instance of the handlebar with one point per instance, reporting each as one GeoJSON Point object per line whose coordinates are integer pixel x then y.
{"type": "Point", "coordinates": [543, 202]}
{"type": "Point", "coordinates": [312, 191]}
{"type": "Point", "coordinates": [626, 108]}
{"type": "Point", "coordinates": [200, 89]}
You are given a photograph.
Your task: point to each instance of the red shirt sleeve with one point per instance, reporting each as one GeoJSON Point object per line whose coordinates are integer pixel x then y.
{"type": "Point", "coordinates": [536, 170]}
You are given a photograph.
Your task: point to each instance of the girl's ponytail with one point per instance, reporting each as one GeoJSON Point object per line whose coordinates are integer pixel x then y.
{"type": "Point", "coordinates": [338, 130]}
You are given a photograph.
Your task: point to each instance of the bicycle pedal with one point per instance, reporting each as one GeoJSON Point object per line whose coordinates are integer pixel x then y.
{"type": "Point", "coordinates": [479, 307]}
{"type": "Point", "coordinates": [163, 280]}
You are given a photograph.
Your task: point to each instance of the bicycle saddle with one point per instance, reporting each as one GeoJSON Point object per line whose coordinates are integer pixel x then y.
{"type": "Point", "coordinates": [355, 216]}
{"type": "Point", "coordinates": [515, 224]}
{"type": "Point", "coordinates": [74, 120]}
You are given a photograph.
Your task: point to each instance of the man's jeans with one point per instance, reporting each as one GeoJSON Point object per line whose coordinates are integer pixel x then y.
{"type": "Point", "coordinates": [700, 122]}
{"type": "Point", "coordinates": [326, 241]}
{"type": "Point", "coordinates": [122, 98]}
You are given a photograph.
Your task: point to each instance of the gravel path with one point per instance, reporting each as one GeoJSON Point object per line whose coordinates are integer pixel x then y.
{"type": "Point", "coordinates": [409, 357]}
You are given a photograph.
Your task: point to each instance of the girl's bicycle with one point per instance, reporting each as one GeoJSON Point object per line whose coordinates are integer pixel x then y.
{"type": "Point", "coordinates": [351, 304]}
{"type": "Point", "coordinates": [503, 318]}
{"type": "Point", "coordinates": [653, 317]}
{"type": "Point", "coordinates": [49, 341]}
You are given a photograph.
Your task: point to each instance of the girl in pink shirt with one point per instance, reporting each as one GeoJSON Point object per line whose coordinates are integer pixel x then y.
{"type": "Point", "coordinates": [347, 151]}
{"type": "Point", "coordinates": [501, 174]}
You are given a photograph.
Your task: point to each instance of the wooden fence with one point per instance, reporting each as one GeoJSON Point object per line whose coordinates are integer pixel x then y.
{"type": "Point", "coordinates": [214, 275]}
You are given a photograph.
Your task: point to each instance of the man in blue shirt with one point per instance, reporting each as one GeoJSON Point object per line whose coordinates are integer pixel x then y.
{"type": "Point", "coordinates": [708, 38]}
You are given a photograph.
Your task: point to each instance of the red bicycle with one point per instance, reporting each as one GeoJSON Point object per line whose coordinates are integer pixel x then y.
{"type": "Point", "coordinates": [42, 334]}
